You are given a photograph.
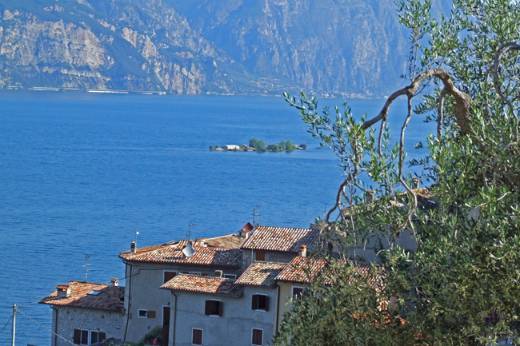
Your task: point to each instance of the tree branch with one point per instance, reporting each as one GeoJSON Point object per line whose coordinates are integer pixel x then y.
{"type": "Point", "coordinates": [505, 48]}
{"type": "Point", "coordinates": [462, 100]}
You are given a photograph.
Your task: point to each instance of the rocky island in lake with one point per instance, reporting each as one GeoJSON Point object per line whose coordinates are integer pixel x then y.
{"type": "Point", "coordinates": [260, 146]}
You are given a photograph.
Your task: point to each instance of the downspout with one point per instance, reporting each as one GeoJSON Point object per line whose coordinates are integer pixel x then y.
{"type": "Point", "coordinates": [56, 327]}
{"type": "Point", "coordinates": [129, 302]}
{"type": "Point", "coordinates": [174, 317]}
{"type": "Point", "coordinates": [277, 309]}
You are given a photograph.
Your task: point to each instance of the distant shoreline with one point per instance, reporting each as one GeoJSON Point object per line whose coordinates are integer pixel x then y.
{"type": "Point", "coordinates": [42, 89]}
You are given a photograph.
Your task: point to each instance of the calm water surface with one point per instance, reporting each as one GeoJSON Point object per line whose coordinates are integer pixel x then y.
{"type": "Point", "coordinates": [80, 174]}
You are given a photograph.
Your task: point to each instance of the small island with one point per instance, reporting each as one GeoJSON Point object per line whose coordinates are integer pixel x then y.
{"type": "Point", "coordinates": [259, 146]}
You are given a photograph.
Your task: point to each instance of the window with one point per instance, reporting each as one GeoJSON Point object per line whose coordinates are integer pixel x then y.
{"type": "Point", "coordinates": [146, 313]}
{"type": "Point", "coordinates": [80, 337]}
{"type": "Point", "coordinates": [259, 255]}
{"type": "Point", "coordinates": [297, 292]}
{"type": "Point", "coordinates": [96, 337]}
{"type": "Point", "coordinates": [167, 276]}
{"type": "Point", "coordinates": [256, 336]}
{"type": "Point", "coordinates": [214, 308]}
{"type": "Point", "coordinates": [260, 302]}
{"type": "Point", "coordinates": [196, 336]}
{"type": "Point", "coordinates": [230, 276]}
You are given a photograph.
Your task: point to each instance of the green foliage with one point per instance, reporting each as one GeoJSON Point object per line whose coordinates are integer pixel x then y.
{"type": "Point", "coordinates": [258, 145]}
{"type": "Point", "coordinates": [462, 284]}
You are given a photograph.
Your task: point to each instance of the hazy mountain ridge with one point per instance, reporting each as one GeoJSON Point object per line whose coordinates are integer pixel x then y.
{"type": "Point", "coordinates": [203, 46]}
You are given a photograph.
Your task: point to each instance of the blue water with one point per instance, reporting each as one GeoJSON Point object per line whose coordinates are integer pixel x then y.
{"type": "Point", "coordinates": [81, 173]}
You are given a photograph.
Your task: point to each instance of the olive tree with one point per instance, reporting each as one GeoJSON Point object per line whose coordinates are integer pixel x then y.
{"type": "Point", "coordinates": [462, 283]}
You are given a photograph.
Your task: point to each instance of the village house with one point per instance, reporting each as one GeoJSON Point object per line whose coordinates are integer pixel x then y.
{"type": "Point", "coordinates": [294, 279]}
{"type": "Point", "coordinates": [220, 290]}
{"type": "Point", "coordinates": [245, 311]}
{"type": "Point", "coordinates": [86, 313]}
{"type": "Point", "coordinates": [146, 269]}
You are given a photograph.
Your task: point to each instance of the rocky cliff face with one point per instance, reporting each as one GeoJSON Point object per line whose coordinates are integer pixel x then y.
{"type": "Point", "coordinates": [190, 47]}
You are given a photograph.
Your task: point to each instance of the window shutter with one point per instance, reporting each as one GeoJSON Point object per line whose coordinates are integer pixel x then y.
{"type": "Point", "coordinates": [84, 337]}
{"type": "Point", "coordinates": [77, 336]}
{"type": "Point", "coordinates": [254, 302]}
{"type": "Point", "coordinates": [151, 314]}
{"type": "Point", "coordinates": [266, 303]}
{"type": "Point", "coordinates": [220, 308]}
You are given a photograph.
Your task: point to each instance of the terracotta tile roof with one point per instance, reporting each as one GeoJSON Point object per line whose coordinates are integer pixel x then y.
{"type": "Point", "coordinates": [205, 254]}
{"type": "Point", "coordinates": [260, 274]}
{"type": "Point", "coordinates": [88, 295]}
{"type": "Point", "coordinates": [202, 284]}
{"type": "Point", "coordinates": [302, 269]}
{"type": "Point", "coordinates": [279, 238]}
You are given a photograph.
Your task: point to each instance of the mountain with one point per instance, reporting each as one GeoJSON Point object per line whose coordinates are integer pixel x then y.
{"type": "Point", "coordinates": [352, 47]}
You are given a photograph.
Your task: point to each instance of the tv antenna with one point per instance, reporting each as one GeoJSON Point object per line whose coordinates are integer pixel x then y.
{"type": "Point", "coordinates": [255, 215]}
{"type": "Point", "coordinates": [86, 265]}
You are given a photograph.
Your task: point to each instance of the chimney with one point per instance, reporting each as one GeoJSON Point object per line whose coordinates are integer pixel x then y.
{"type": "Point", "coordinates": [63, 291]}
{"type": "Point", "coordinates": [246, 230]}
{"type": "Point", "coordinates": [303, 250]}
{"type": "Point", "coordinates": [114, 282]}
{"type": "Point", "coordinates": [416, 183]}
{"type": "Point", "coordinates": [133, 246]}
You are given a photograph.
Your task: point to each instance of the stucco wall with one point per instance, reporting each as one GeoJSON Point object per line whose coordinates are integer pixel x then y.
{"type": "Point", "coordinates": [285, 303]}
{"type": "Point", "coordinates": [69, 319]}
{"type": "Point", "coordinates": [143, 292]}
{"type": "Point", "coordinates": [234, 327]}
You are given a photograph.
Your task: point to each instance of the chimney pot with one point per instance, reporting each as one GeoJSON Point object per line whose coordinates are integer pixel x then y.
{"type": "Point", "coordinates": [133, 246]}
{"type": "Point", "coordinates": [303, 250]}
{"type": "Point", "coordinates": [63, 291]}
{"type": "Point", "coordinates": [114, 282]}
{"type": "Point", "coordinates": [416, 183]}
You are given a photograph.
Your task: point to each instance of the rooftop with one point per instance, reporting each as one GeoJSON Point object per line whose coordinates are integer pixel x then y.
{"type": "Point", "coordinates": [87, 295]}
{"type": "Point", "coordinates": [219, 251]}
{"type": "Point", "coordinates": [287, 239]}
{"type": "Point", "coordinates": [201, 284]}
{"type": "Point", "coordinates": [260, 274]}
{"type": "Point", "coordinates": [302, 269]}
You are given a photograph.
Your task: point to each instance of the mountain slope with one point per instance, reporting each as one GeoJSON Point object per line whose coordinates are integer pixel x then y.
{"type": "Point", "coordinates": [353, 47]}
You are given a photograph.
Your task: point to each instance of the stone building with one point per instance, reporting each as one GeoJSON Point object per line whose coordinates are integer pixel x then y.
{"type": "Point", "coordinates": [86, 313]}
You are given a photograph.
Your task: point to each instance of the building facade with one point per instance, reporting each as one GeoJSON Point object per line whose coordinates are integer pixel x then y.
{"type": "Point", "coordinates": [86, 313]}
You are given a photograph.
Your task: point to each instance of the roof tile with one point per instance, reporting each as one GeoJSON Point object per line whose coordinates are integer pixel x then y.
{"type": "Point", "coordinates": [302, 269]}
{"type": "Point", "coordinates": [279, 238]}
{"type": "Point", "coordinates": [88, 295]}
{"type": "Point", "coordinates": [201, 284]}
{"type": "Point", "coordinates": [172, 253]}
{"type": "Point", "coordinates": [260, 274]}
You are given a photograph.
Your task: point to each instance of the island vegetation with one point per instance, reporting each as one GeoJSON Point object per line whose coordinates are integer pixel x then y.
{"type": "Point", "coordinates": [259, 146]}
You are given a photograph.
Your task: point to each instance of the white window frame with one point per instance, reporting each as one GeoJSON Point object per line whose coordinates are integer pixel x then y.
{"type": "Point", "coordinates": [201, 333]}
{"type": "Point", "coordinates": [215, 300]}
{"type": "Point", "coordinates": [252, 336]}
{"type": "Point", "coordinates": [168, 271]}
{"type": "Point", "coordinates": [230, 276]}
{"type": "Point", "coordinates": [139, 315]}
{"type": "Point", "coordinates": [260, 294]}
{"type": "Point", "coordinates": [303, 288]}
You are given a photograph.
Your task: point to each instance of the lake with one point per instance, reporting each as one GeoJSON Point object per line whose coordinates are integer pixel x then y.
{"type": "Point", "coordinates": [82, 173]}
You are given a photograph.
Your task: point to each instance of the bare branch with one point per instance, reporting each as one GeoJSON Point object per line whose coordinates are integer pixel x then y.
{"type": "Point", "coordinates": [401, 162]}
{"type": "Point", "coordinates": [504, 49]}
{"type": "Point", "coordinates": [462, 100]}
{"type": "Point", "coordinates": [440, 114]}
